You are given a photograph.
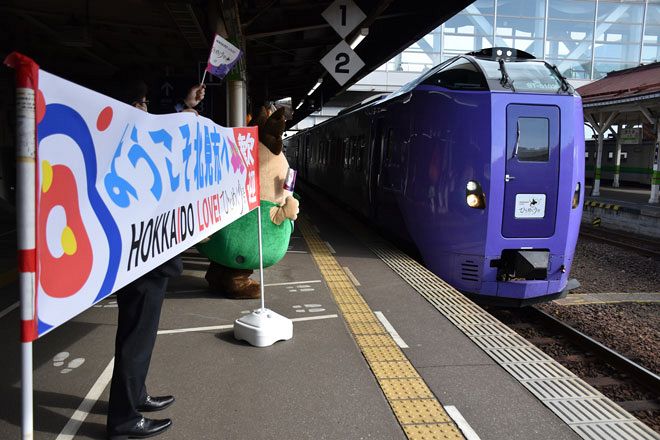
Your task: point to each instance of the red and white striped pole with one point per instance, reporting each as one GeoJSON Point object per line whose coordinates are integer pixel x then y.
{"type": "Point", "coordinates": [27, 75]}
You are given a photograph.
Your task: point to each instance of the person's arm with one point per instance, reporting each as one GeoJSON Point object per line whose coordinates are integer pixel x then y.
{"type": "Point", "coordinates": [192, 99]}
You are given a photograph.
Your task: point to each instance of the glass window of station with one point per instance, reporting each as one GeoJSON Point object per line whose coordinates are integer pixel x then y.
{"type": "Point", "coordinates": [585, 39]}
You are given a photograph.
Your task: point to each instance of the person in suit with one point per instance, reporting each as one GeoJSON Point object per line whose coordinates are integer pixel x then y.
{"type": "Point", "coordinates": [140, 304]}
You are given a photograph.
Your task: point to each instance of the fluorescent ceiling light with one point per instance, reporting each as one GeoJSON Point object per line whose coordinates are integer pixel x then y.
{"type": "Point", "coordinates": [316, 86]}
{"type": "Point", "coordinates": [299, 104]}
{"type": "Point", "coordinates": [359, 37]}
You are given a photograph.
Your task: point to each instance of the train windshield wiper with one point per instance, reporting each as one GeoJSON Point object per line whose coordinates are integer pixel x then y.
{"type": "Point", "coordinates": [506, 80]}
{"type": "Point", "coordinates": [565, 86]}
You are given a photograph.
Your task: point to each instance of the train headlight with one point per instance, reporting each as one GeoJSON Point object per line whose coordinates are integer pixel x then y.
{"type": "Point", "coordinates": [473, 201]}
{"type": "Point", "coordinates": [576, 196]}
{"type": "Point", "coordinates": [474, 195]}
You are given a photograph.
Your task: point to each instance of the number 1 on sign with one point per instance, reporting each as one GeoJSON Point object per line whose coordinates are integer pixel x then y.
{"type": "Point", "coordinates": [343, 14]}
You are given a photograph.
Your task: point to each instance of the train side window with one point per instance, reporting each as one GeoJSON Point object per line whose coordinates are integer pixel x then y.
{"type": "Point", "coordinates": [533, 143]}
{"type": "Point", "coordinates": [389, 146]}
{"type": "Point", "coordinates": [354, 152]}
{"type": "Point", "coordinates": [362, 153]}
{"type": "Point", "coordinates": [459, 75]}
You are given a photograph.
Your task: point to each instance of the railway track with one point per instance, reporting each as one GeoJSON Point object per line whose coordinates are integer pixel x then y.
{"type": "Point", "coordinates": [645, 246]}
{"type": "Point", "coordinates": [633, 387]}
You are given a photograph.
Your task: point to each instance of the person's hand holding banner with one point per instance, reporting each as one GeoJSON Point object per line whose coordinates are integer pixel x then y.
{"type": "Point", "coordinates": [222, 58]}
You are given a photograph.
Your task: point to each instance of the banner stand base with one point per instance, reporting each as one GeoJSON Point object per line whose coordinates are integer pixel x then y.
{"type": "Point", "coordinates": [263, 328]}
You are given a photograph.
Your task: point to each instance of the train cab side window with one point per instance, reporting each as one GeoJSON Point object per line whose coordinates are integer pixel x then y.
{"type": "Point", "coordinates": [459, 75]}
{"type": "Point", "coordinates": [533, 140]}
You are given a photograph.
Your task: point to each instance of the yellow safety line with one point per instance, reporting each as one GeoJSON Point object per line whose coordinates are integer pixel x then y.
{"type": "Point", "coordinates": [418, 411]}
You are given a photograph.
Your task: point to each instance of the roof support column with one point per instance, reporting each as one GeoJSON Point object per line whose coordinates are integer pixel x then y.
{"type": "Point", "coordinates": [236, 103]}
{"type": "Point", "coordinates": [617, 159]}
{"type": "Point", "coordinates": [655, 177]}
{"type": "Point", "coordinates": [600, 127]}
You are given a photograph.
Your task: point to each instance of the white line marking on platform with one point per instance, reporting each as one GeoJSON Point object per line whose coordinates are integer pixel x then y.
{"type": "Point", "coordinates": [10, 308]}
{"type": "Point", "coordinates": [265, 285]}
{"type": "Point", "coordinates": [332, 250]}
{"type": "Point", "coordinates": [71, 428]}
{"type": "Point", "coordinates": [462, 424]}
{"type": "Point", "coordinates": [195, 329]}
{"type": "Point", "coordinates": [314, 318]}
{"type": "Point", "coordinates": [350, 275]}
{"type": "Point", "coordinates": [193, 273]}
{"type": "Point", "coordinates": [297, 252]}
{"type": "Point", "coordinates": [292, 283]}
{"type": "Point", "coordinates": [383, 320]}
{"type": "Point", "coordinates": [228, 326]}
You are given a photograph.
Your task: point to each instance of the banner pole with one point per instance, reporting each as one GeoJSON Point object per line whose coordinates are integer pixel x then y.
{"type": "Point", "coordinates": [261, 260]}
{"type": "Point", "coordinates": [203, 76]}
{"type": "Point", "coordinates": [27, 424]}
{"type": "Point", "coordinates": [25, 226]}
{"type": "Point", "coordinates": [27, 73]}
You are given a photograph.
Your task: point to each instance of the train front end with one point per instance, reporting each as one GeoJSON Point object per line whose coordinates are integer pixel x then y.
{"type": "Point", "coordinates": [536, 181]}
{"type": "Point", "coordinates": [505, 139]}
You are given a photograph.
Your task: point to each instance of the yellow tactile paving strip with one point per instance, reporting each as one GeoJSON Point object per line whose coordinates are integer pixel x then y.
{"type": "Point", "coordinates": [418, 411]}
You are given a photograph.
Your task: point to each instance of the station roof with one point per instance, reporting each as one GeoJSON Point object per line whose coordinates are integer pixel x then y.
{"type": "Point", "coordinates": [284, 40]}
{"type": "Point", "coordinates": [635, 84]}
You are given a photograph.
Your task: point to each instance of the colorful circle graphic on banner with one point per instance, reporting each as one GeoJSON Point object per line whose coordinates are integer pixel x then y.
{"type": "Point", "coordinates": [78, 241]}
{"type": "Point", "coordinates": [63, 239]}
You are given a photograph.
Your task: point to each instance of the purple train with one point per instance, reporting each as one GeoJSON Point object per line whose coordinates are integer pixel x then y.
{"type": "Point", "coordinates": [479, 163]}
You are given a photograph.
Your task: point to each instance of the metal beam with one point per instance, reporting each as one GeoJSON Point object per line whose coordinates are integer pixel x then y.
{"type": "Point", "coordinates": [54, 34]}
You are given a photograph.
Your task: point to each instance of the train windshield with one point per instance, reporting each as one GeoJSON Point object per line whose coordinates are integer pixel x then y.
{"type": "Point", "coordinates": [525, 76]}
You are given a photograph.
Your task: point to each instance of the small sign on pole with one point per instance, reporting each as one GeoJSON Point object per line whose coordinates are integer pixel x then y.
{"type": "Point", "coordinates": [222, 58]}
{"type": "Point", "coordinates": [342, 62]}
{"type": "Point", "coordinates": [343, 16]}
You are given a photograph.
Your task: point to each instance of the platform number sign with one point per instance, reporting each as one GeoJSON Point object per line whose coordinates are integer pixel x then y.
{"type": "Point", "coordinates": [342, 62]}
{"type": "Point", "coordinates": [343, 16]}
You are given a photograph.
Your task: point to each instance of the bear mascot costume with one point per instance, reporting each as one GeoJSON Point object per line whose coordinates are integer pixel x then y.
{"type": "Point", "coordinates": [234, 250]}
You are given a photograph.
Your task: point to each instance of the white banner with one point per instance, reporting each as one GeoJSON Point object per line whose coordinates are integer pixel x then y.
{"type": "Point", "coordinates": [121, 191]}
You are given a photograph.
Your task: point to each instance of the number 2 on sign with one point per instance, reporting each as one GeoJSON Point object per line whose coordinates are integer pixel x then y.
{"type": "Point", "coordinates": [343, 59]}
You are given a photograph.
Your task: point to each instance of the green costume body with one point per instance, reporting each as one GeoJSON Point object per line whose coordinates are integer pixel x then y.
{"type": "Point", "coordinates": [237, 244]}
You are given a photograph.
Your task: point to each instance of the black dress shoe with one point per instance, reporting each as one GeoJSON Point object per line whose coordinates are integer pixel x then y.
{"type": "Point", "coordinates": [157, 403]}
{"type": "Point", "coordinates": [142, 429]}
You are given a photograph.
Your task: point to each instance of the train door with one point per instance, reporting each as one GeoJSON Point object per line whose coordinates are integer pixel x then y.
{"type": "Point", "coordinates": [306, 156]}
{"type": "Point", "coordinates": [531, 171]}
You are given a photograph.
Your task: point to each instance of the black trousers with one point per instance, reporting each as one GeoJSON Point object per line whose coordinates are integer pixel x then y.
{"type": "Point", "coordinates": [139, 304]}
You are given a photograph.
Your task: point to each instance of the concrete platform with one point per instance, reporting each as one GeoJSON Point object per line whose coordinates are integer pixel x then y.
{"type": "Point", "coordinates": [577, 299]}
{"type": "Point", "coordinates": [316, 386]}
{"type": "Point", "coordinates": [624, 209]}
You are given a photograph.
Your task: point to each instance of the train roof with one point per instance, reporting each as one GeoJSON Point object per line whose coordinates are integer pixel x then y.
{"type": "Point", "coordinates": [496, 69]}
